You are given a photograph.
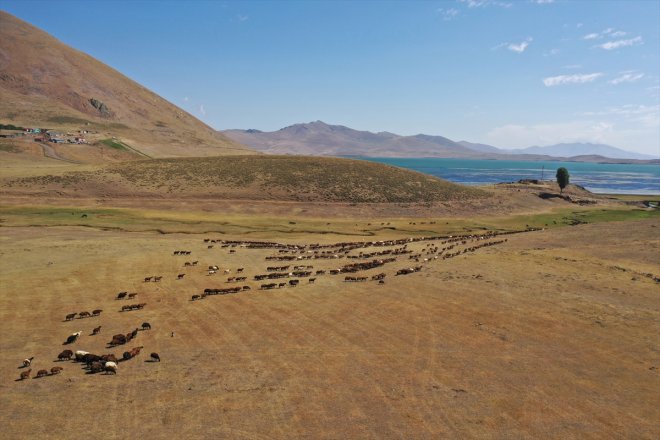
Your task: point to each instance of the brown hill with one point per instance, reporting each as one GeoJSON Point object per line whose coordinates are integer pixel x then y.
{"type": "Point", "coordinates": [275, 178]}
{"type": "Point", "coordinates": [45, 83]}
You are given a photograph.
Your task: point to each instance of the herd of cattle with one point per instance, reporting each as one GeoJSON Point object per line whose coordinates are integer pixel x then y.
{"type": "Point", "coordinates": [434, 248]}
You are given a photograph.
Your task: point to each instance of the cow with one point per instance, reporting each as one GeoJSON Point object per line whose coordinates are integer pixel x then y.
{"type": "Point", "coordinates": [96, 330]}
{"type": "Point", "coordinates": [180, 276]}
{"type": "Point", "coordinates": [96, 367]}
{"type": "Point", "coordinates": [122, 295]}
{"type": "Point", "coordinates": [195, 297]}
{"type": "Point", "coordinates": [84, 315]}
{"type": "Point", "coordinates": [146, 326]}
{"type": "Point", "coordinates": [70, 316]}
{"type": "Point", "coordinates": [56, 370]}
{"type": "Point", "coordinates": [42, 373]}
{"type": "Point", "coordinates": [132, 295]}
{"type": "Point", "coordinates": [65, 355]}
{"type": "Point", "coordinates": [96, 312]}
{"type": "Point", "coordinates": [155, 357]}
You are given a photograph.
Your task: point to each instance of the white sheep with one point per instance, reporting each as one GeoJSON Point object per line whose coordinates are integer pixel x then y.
{"type": "Point", "coordinates": [111, 367]}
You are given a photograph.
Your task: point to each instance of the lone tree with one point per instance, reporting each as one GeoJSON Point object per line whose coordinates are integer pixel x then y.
{"type": "Point", "coordinates": [562, 178]}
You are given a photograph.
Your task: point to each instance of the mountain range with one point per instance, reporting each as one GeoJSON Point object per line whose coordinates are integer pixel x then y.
{"type": "Point", "coordinates": [320, 139]}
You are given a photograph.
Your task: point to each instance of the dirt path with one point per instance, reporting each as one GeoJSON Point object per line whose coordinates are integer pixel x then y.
{"type": "Point", "coordinates": [51, 153]}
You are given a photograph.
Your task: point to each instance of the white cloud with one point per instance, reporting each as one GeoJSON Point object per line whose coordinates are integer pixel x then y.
{"type": "Point", "coordinates": [648, 116]}
{"type": "Point", "coordinates": [579, 25]}
{"type": "Point", "coordinates": [609, 32]}
{"type": "Point", "coordinates": [186, 99]}
{"type": "Point", "coordinates": [240, 17]}
{"type": "Point", "coordinates": [610, 45]}
{"type": "Point", "coordinates": [520, 47]}
{"type": "Point", "coordinates": [448, 14]}
{"type": "Point", "coordinates": [552, 133]}
{"type": "Point", "coordinates": [571, 79]}
{"type": "Point", "coordinates": [484, 3]}
{"type": "Point", "coordinates": [572, 66]}
{"type": "Point", "coordinates": [639, 134]}
{"type": "Point", "coordinates": [543, 2]}
{"type": "Point", "coordinates": [627, 77]}
{"type": "Point", "coordinates": [551, 52]}
{"type": "Point", "coordinates": [202, 110]}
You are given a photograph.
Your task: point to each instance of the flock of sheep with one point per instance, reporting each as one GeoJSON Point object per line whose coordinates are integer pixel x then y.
{"type": "Point", "coordinates": [432, 250]}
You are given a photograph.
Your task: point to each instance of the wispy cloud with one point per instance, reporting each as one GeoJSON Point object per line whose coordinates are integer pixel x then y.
{"type": "Point", "coordinates": [542, 2]}
{"type": "Point", "coordinates": [186, 99]}
{"type": "Point", "coordinates": [571, 79]}
{"type": "Point", "coordinates": [519, 47]}
{"type": "Point", "coordinates": [572, 66]}
{"type": "Point", "coordinates": [448, 14]}
{"type": "Point", "coordinates": [616, 44]}
{"type": "Point", "coordinates": [240, 17]}
{"type": "Point", "coordinates": [646, 116]}
{"type": "Point", "coordinates": [202, 110]}
{"type": "Point", "coordinates": [606, 33]}
{"type": "Point", "coordinates": [484, 3]}
{"type": "Point", "coordinates": [626, 77]}
{"type": "Point", "coordinates": [552, 52]}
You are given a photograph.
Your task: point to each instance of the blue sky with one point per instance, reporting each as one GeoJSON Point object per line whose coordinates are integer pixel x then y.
{"type": "Point", "coordinates": [503, 72]}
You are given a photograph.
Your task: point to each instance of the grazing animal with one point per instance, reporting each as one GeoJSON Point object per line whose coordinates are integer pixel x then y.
{"type": "Point", "coordinates": [65, 355]}
{"type": "Point", "coordinates": [122, 295]}
{"type": "Point", "coordinates": [27, 362]}
{"type": "Point", "coordinates": [146, 326]}
{"type": "Point", "coordinates": [109, 358]}
{"type": "Point", "coordinates": [42, 373]}
{"type": "Point", "coordinates": [157, 279]}
{"type": "Point", "coordinates": [70, 316]}
{"type": "Point", "coordinates": [111, 367]}
{"type": "Point", "coordinates": [80, 354]}
{"type": "Point", "coordinates": [72, 338]}
{"type": "Point", "coordinates": [155, 357]}
{"type": "Point", "coordinates": [56, 370]}
{"type": "Point", "coordinates": [180, 276]}
{"type": "Point", "coordinates": [195, 297]}
{"type": "Point", "coordinates": [96, 330]}
{"type": "Point", "coordinates": [211, 272]}
{"type": "Point", "coordinates": [84, 315]}
{"type": "Point", "coordinates": [26, 374]}
{"type": "Point", "coordinates": [96, 312]}
{"type": "Point", "coordinates": [127, 355]}
{"type": "Point", "coordinates": [132, 295]}
{"type": "Point", "coordinates": [96, 367]}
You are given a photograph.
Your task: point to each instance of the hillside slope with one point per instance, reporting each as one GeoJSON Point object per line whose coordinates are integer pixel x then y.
{"type": "Point", "coordinates": [45, 83]}
{"type": "Point", "coordinates": [279, 178]}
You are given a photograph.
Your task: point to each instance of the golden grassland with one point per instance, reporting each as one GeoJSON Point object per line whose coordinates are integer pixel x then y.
{"type": "Point", "coordinates": [551, 334]}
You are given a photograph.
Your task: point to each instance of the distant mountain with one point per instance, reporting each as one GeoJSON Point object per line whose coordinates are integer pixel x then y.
{"type": "Point", "coordinates": [321, 139]}
{"type": "Point", "coordinates": [581, 149]}
{"type": "Point", "coordinates": [482, 147]}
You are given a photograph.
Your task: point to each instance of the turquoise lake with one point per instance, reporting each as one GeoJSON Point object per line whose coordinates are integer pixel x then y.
{"type": "Point", "coordinates": [596, 177]}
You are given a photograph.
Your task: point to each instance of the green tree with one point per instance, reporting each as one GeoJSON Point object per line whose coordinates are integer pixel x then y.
{"type": "Point", "coordinates": [562, 178]}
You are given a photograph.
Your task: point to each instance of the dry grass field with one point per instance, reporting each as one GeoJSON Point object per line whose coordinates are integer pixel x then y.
{"type": "Point", "coordinates": [552, 334]}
